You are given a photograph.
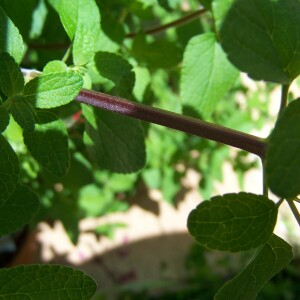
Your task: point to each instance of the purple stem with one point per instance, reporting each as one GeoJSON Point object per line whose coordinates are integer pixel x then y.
{"type": "Point", "coordinates": [176, 121]}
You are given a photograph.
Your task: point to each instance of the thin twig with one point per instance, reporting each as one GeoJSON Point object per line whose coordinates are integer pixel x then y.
{"type": "Point", "coordinates": [284, 97]}
{"type": "Point", "coordinates": [179, 122]}
{"type": "Point", "coordinates": [175, 23]}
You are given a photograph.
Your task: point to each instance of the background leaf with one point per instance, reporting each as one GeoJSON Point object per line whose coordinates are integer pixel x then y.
{"type": "Point", "coordinates": [114, 142]}
{"type": "Point", "coordinates": [282, 158]}
{"type": "Point", "coordinates": [268, 260]}
{"type": "Point", "coordinates": [48, 143]}
{"type": "Point", "coordinates": [45, 282]}
{"type": "Point", "coordinates": [10, 39]}
{"type": "Point", "coordinates": [206, 74]}
{"type": "Point", "coordinates": [233, 222]}
{"type": "Point", "coordinates": [118, 70]}
{"type": "Point", "coordinates": [87, 32]}
{"type": "Point", "coordinates": [55, 66]}
{"type": "Point", "coordinates": [11, 77]}
{"type": "Point", "coordinates": [18, 210]}
{"type": "Point", "coordinates": [52, 90]}
{"type": "Point", "coordinates": [260, 37]}
{"type": "Point", "coordinates": [9, 170]}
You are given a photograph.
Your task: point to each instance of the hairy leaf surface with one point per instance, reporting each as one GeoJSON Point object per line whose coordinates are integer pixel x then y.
{"type": "Point", "coordinates": [48, 143]}
{"type": "Point", "coordinates": [9, 170]}
{"type": "Point", "coordinates": [114, 142]}
{"type": "Point", "coordinates": [11, 77]}
{"type": "Point", "coordinates": [45, 282]}
{"type": "Point", "coordinates": [233, 222]}
{"type": "Point", "coordinates": [268, 261]}
{"type": "Point", "coordinates": [282, 158]}
{"type": "Point", "coordinates": [53, 90]}
{"type": "Point", "coordinates": [261, 37]}
{"type": "Point", "coordinates": [10, 39]}
{"type": "Point", "coordinates": [18, 210]}
{"type": "Point", "coordinates": [206, 74]}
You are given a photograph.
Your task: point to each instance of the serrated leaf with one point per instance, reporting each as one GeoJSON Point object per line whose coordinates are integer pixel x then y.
{"type": "Point", "coordinates": [113, 141]}
{"type": "Point", "coordinates": [282, 157]}
{"type": "Point", "coordinates": [18, 210]}
{"type": "Point", "coordinates": [48, 143]}
{"type": "Point", "coordinates": [118, 70]}
{"type": "Point", "coordinates": [268, 261]}
{"type": "Point", "coordinates": [23, 113]}
{"type": "Point", "coordinates": [233, 222]}
{"type": "Point", "coordinates": [11, 77]}
{"type": "Point", "coordinates": [9, 170]}
{"type": "Point", "coordinates": [206, 74]}
{"type": "Point", "coordinates": [260, 37]}
{"type": "Point", "coordinates": [37, 282]}
{"type": "Point", "coordinates": [10, 39]}
{"type": "Point", "coordinates": [4, 118]}
{"type": "Point", "coordinates": [53, 90]}
{"type": "Point", "coordinates": [68, 13]}
{"type": "Point", "coordinates": [87, 32]}
{"type": "Point", "coordinates": [55, 66]}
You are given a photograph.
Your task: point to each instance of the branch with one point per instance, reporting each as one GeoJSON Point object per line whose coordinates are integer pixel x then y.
{"type": "Point", "coordinates": [175, 23]}
{"type": "Point", "coordinates": [172, 120]}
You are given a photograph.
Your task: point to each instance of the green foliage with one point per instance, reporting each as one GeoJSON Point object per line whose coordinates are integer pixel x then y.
{"type": "Point", "coordinates": [233, 222]}
{"type": "Point", "coordinates": [283, 153]}
{"type": "Point", "coordinates": [53, 151]}
{"type": "Point", "coordinates": [44, 281]}
{"type": "Point", "coordinates": [268, 260]}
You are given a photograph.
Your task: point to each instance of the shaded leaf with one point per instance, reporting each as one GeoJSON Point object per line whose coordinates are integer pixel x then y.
{"type": "Point", "coordinates": [45, 282]}
{"type": "Point", "coordinates": [18, 210]}
{"type": "Point", "coordinates": [206, 74]}
{"type": "Point", "coordinates": [118, 70]}
{"type": "Point", "coordinates": [261, 37]}
{"type": "Point", "coordinates": [54, 89]}
{"type": "Point", "coordinates": [268, 261]}
{"type": "Point", "coordinates": [113, 141]}
{"type": "Point", "coordinates": [23, 113]}
{"type": "Point", "coordinates": [11, 77]}
{"type": "Point", "coordinates": [9, 170]}
{"type": "Point", "coordinates": [4, 119]}
{"type": "Point", "coordinates": [282, 157]}
{"type": "Point", "coordinates": [233, 222]}
{"type": "Point", "coordinates": [10, 39]}
{"type": "Point", "coordinates": [48, 143]}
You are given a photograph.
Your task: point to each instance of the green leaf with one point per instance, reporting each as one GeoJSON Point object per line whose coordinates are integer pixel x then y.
{"type": "Point", "coordinates": [53, 90]}
{"type": "Point", "coordinates": [37, 282]}
{"type": "Point", "coordinates": [11, 77]}
{"type": "Point", "coordinates": [268, 260]}
{"type": "Point", "coordinates": [206, 74]}
{"type": "Point", "coordinates": [87, 32]}
{"type": "Point", "coordinates": [23, 113]}
{"type": "Point", "coordinates": [18, 210]}
{"type": "Point", "coordinates": [55, 66]}
{"type": "Point", "coordinates": [113, 141]}
{"type": "Point", "coordinates": [282, 157]}
{"type": "Point", "coordinates": [118, 70]}
{"type": "Point", "coordinates": [9, 170]}
{"type": "Point", "coordinates": [158, 54]}
{"type": "Point", "coordinates": [233, 222]}
{"type": "Point", "coordinates": [4, 118]}
{"type": "Point", "coordinates": [261, 37]}
{"type": "Point", "coordinates": [10, 39]}
{"type": "Point", "coordinates": [39, 16]}
{"type": "Point", "coordinates": [68, 13]}
{"type": "Point", "coordinates": [48, 143]}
